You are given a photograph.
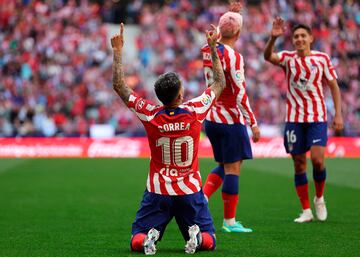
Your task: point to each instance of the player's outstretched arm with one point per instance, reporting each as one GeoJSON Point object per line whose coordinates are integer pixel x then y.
{"type": "Point", "coordinates": [276, 31]}
{"type": "Point", "coordinates": [338, 123]}
{"type": "Point", "coordinates": [119, 85]}
{"type": "Point", "coordinates": [219, 77]}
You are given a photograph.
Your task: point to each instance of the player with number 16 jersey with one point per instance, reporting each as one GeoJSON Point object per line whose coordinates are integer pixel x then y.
{"type": "Point", "coordinates": [307, 72]}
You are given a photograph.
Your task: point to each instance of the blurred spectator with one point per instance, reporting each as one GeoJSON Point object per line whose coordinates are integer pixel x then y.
{"type": "Point", "coordinates": [55, 67]}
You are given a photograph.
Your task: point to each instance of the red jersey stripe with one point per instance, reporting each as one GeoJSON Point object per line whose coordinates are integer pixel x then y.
{"type": "Point", "coordinates": [296, 107]}
{"type": "Point", "coordinates": [189, 184]}
{"type": "Point", "coordinates": [177, 189]}
{"type": "Point", "coordinates": [221, 116]}
{"type": "Point", "coordinates": [316, 83]}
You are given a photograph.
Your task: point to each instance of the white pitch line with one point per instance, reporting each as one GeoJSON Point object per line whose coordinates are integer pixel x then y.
{"type": "Point", "coordinates": [8, 164]}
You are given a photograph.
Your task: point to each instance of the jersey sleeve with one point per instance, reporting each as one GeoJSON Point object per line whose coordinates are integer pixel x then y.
{"type": "Point", "coordinates": [238, 77]}
{"type": "Point", "coordinates": [329, 70]}
{"type": "Point", "coordinates": [283, 57]}
{"type": "Point", "coordinates": [144, 109]}
{"type": "Point", "coordinates": [201, 105]}
{"type": "Point", "coordinates": [207, 64]}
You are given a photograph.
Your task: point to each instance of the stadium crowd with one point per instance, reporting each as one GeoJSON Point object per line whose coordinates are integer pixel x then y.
{"type": "Point", "coordinates": [55, 64]}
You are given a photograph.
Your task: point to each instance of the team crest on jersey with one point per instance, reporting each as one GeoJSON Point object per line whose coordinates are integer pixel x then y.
{"type": "Point", "coordinates": [140, 104]}
{"type": "Point", "coordinates": [206, 100]}
{"type": "Point", "coordinates": [291, 147]}
{"type": "Point", "coordinates": [206, 56]}
{"type": "Point", "coordinates": [313, 69]}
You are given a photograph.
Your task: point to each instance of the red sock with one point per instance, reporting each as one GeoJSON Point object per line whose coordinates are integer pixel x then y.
{"type": "Point", "coordinates": [302, 192]}
{"type": "Point", "coordinates": [319, 188]}
{"type": "Point", "coordinates": [230, 204]}
{"type": "Point", "coordinates": [212, 183]}
{"type": "Point", "coordinates": [137, 242]}
{"type": "Point", "coordinates": [208, 242]}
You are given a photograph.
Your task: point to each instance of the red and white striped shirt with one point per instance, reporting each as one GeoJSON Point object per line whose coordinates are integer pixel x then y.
{"type": "Point", "coordinates": [173, 137]}
{"type": "Point", "coordinates": [306, 77]}
{"type": "Point", "coordinates": [232, 106]}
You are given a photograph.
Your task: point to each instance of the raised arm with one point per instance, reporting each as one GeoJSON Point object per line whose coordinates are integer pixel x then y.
{"type": "Point", "coordinates": [276, 31]}
{"type": "Point", "coordinates": [119, 85]}
{"type": "Point", "coordinates": [219, 78]}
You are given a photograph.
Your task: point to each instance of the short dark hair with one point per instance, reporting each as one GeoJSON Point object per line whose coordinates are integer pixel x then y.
{"type": "Point", "coordinates": [167, 87]}
{"type": "Point", "coordinates": [301, 26]}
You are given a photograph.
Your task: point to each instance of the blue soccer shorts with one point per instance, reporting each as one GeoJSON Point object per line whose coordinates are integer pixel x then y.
{"type": "Point", "coordinates": [156, 211]}
{"type": "Point", "coordinates": [299, 137]}
{"type": "Point", "coordinates": [230, 142]}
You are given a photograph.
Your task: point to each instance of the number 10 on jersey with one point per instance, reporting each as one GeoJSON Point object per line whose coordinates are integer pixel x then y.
{"type": "Point", "coordinates": [173, 151]}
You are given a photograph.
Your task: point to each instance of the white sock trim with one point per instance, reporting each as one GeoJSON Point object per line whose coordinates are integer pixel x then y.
{"type": "Point", "coordinates": [230, 222]}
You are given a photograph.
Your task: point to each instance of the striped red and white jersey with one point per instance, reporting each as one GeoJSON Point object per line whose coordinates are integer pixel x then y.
{"type": "Point", "coordinates": [306, 77]}
{"type": "Point", "coordinates": [173, 137]}
{"type": "Point", "coordinates": [232, 106]}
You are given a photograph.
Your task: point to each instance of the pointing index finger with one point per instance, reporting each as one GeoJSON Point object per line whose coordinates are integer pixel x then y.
{"type": "Point", "coordinates": [121, 28]}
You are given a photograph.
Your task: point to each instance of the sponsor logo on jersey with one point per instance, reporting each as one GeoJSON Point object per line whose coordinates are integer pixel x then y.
{"type": "Point", "coordinates": [166, 171]}
{"type": "Point", "coordinates": [298, 85]}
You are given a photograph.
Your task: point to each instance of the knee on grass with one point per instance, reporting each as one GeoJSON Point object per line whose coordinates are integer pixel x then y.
{"type": "Point", "coordinates": [208, 242]}
{"type": "Point", "coordinates": [137, 242]}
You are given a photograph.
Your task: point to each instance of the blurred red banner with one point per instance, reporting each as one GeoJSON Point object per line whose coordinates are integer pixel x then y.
{"type": "Point", "coordinates": [138, 147]}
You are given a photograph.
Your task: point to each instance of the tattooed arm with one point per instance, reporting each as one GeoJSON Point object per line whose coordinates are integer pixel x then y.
{"type": "Point", "coordinates": [218, 73]}
{"type": "Point", "coordinates": [119, 85]}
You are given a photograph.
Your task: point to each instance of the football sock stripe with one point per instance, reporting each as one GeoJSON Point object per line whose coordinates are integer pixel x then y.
{"type": "Point", "coordinates": [302, 190]}
{"type": "Point", "coordinates": [319, 180]}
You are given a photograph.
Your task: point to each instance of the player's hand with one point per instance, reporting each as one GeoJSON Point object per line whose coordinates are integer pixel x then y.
{"type": "Point", "coordinates": [117, 41]}
{"type": "Point", "coordinates": [235, 7]}
{"type": "Point", "coordinates": [278, 27]}
{"type": "Point", "coordinates": [255, 133]}
{"type": "Point", "coordinates": [211, 36]}
{"type": "Point", "coordinates": [338, 123]}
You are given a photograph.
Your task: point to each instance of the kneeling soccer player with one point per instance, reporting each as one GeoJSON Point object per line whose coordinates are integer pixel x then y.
{"type": "Point", "coordinates": [174, 182]}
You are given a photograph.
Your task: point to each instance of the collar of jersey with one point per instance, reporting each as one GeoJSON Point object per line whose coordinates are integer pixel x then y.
{"type": "Point", "coordinates": [173, 112]}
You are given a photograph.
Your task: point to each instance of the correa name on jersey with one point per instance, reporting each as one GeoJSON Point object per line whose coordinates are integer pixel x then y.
{"type": "Point", "coordinates": [177, 126]}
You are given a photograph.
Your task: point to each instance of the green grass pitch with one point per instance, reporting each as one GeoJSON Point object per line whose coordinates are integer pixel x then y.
{"type": "Point", "coordinates": [85, 207]}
